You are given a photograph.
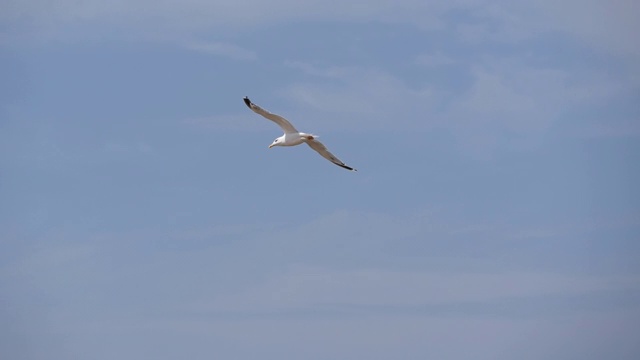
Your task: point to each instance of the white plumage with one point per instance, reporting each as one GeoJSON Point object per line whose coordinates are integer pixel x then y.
{"type": "Point", "coordinates": [293, 137]}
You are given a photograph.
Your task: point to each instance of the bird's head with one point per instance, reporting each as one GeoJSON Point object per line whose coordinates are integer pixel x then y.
{"type": "Point", "coordinates": [276, 142]}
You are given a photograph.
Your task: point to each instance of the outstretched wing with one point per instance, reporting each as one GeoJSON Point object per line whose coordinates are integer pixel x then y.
{"type": "Point", "coordinates": [282, 122]}
{"type": "Point", "coordinates": [322, 150]}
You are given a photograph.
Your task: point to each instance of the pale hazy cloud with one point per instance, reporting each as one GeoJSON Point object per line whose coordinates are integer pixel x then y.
{"type": "Point", "coordinates": [223, 49]}
{"type": "Point", "coordinates": [493, 20]}
{"type": "Point", "coordinates": [435, 59]}
{"type": "Point", "coordinates": [186, 245]}
{"type": "Point", "coordinates": [309, 288]}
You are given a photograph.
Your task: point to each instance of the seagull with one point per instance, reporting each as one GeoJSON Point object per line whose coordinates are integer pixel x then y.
{"type": "Point", "coordinates": [293, 137]}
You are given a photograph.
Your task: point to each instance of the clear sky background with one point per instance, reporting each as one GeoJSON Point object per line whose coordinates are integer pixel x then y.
{"type": "Point", "coordinates": [495, 213]}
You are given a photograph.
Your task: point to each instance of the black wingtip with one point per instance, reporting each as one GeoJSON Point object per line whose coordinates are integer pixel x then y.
{"type": "Point", "coordinates": [247, 101]}
{"type": "Point", "coordinates": [347, 167]}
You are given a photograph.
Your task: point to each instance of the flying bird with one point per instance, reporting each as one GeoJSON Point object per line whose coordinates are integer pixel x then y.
{"type": "Point", "coordinates": [293, 137]}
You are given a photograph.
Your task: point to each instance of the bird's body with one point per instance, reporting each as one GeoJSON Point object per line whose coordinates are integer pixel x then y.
{"type": "Point", "coordinates": [293, 137]}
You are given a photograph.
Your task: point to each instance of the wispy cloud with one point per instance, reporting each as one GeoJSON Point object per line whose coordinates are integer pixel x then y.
{"type": "Point", "coordinates": [312, 287]}
{"type": "Point", "coordinates": [527, 99]}
{"type": "Point", "coordinates": [505, 94]}
{"type": "Point", "coordinates": [199, 14]}
{"type": "Point", "coordinates": [120, 147]}
{"type": "Point", "coordinates": [434, 59]}
{"type": "Point", "coordinates": [353, 95]}
{"type": "Point", "coordinates": [492, 20]}
{"type": "Point", "coordinates": [253, 279]}
{"type": "Point", "coordinates": [618, 21]}
{"type": "Point", "coordinates": [223, 49]}
{"type": "Point", "coordinates": [611, 128]}
{"type": "Point", "coordinates": [233, 122]}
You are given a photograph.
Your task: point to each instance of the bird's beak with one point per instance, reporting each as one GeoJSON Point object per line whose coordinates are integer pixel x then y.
{"type": "Point", "coordinates": [270, 146]}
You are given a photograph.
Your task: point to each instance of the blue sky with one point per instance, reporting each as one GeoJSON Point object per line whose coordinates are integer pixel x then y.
{"type": "Point", "coordinates": [494, 214]}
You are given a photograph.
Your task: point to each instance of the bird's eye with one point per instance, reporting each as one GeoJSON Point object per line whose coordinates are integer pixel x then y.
{"type": "Point", "coordinates": [276, 140]}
